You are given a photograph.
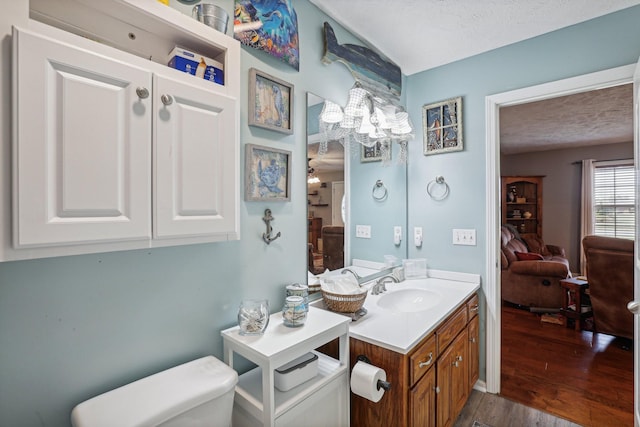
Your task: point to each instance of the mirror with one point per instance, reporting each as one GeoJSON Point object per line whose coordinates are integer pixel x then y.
{"type": "Point", "coordinates": [325, 196]}
{"type": "Point", "coordinates": [358, 177]}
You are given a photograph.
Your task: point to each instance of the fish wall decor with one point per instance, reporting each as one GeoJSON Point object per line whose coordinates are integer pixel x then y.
{"type": "Point", "coordinates": [372, 71]}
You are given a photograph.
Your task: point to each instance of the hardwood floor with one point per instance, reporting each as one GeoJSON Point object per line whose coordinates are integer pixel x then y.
{"type": "Point", "coordinates": [583, 377]}
{"type": "Point", "coordinates": [496, 411]}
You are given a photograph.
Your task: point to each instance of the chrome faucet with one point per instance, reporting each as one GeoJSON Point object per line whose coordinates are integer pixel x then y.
{"type": "Point", "coordinates": [348, 270]}
{"type": "Point", "coordinates": [379, 287]}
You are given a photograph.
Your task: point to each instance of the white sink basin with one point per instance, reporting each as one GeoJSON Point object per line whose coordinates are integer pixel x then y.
{"type": "Point", "coordinates": [409, 300]}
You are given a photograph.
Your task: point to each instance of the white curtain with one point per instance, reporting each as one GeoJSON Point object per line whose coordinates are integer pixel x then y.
{"type": "Point", "coordinates": [586, 213]}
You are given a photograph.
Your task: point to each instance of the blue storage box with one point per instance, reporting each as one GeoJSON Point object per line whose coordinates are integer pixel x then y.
{"type": "Point", "coordinates": [197, 65]}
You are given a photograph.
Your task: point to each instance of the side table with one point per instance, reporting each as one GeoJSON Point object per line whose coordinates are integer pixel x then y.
{"type": "Point", "coordinates": [575, 288]}
{"type": "Point", "coordinates": [325, 397]}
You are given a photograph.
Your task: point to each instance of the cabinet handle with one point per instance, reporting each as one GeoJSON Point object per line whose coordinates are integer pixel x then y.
{"type": "Point", "coordinates": [142, 92]}
{"type": "Point", "coordinates": [427, 362]}
{"type": "Point", "coordinates": [457, 361]}
{"type": "Point", "coordinates": [166, 99]}
{"type": "Point", "coordinates": [474, 308]}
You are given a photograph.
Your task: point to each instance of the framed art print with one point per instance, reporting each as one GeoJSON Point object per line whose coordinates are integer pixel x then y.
{"type": "Point", "coordinates": [378, 152]}
{"type": "Point", "coordinates": [442, 126]}
{"type": "Point", "coordinates": [270, 102]}
{"type": "Point", "coordinates": [267, 174]}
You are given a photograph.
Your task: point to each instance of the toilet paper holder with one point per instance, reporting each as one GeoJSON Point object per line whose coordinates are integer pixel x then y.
{"type": "Point", "coordinates": [386, 385]}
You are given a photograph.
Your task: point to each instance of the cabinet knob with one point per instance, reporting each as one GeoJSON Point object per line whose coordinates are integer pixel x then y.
{"type": "Point", "coordinates": [474, 308]}
{"type": "Point", "coordinates": [166, 99]}
{"type": "Point", "coordinates": [437, 389]}
{"type": "Point", "coordinates": [472, 339]}
{"type": "Point", "coordinates": [142, 92]}
{"type": "Point", "coordinates": [459, 358]}
{"type": "Point", "coordinates": [427, 362]}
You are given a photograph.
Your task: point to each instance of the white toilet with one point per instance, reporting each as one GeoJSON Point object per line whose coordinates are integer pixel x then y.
{"type": "Point", "coordinates": [198, 393]}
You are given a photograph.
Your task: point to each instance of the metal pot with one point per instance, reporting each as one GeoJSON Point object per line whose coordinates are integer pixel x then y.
{"type": "Point", "coordinates": [211, 15]}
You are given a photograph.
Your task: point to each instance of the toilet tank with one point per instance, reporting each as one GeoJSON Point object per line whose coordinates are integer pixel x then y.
{"type": "Point", "coordinates": [198, 393]}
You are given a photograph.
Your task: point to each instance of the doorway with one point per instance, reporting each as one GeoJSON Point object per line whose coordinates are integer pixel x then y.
{"type": "Point", "coordinates": [594, 81]}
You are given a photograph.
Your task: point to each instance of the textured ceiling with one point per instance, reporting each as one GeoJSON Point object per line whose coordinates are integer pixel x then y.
{"type": "Point", "coordinates": [421, 34]}
{"type": "Point", "coordinates": [597, 117]}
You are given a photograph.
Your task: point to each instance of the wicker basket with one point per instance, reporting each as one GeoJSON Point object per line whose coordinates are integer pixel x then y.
{"type": "Point", "coordinates": [344, 303]}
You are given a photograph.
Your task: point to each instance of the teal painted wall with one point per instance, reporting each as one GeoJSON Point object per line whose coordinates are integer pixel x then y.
{"type": "Point", "coordinates": [73, 327]}
{"type": "Point", "coordinates": [606, 42]}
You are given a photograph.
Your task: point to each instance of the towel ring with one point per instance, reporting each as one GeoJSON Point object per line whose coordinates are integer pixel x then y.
{"type": "Point", "coordinates": [379, 191]}
{"type": "Point", "coordinates": [439, 181]}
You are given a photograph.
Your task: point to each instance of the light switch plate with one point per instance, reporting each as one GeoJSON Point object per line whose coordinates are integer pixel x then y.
{"type": "Point", "coordinates": [466, 237]}
{"type": "Point", "coordinates": [363, 231]}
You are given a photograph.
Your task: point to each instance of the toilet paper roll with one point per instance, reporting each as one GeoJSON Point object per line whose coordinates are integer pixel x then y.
{"type": "Point", "coordinates": [364, 381]}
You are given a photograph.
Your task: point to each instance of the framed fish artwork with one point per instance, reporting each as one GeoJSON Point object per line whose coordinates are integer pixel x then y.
{"type": "Point", "coordinates": [442, 126]}
{"type": "Point", "coordinates": [267, 174]}
{"type": "Point", "coordinates": [270, 26]}
{"type": "Point", "coordinates": [270, 102]}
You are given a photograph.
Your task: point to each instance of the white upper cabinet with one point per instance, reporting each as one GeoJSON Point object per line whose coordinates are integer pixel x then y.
{"type": "Point", "coordinates": [83, 146]}
{"type": "Point", "coordinates": [193, 161]}
{"type": "Point", "coordinates": [112, 150]}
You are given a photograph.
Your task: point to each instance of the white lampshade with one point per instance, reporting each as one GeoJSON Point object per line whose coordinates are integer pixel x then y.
{"type": "Point", "coordinates": [366, 127]}
{"type": "Point", "coordinates": [356, 102]}
{"type": "Point", "coordinates": [331, 113]}
{"type": "Point", "coordinates": [402, 126]}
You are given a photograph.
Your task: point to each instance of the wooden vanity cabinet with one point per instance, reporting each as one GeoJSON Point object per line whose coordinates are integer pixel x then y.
{"type": "Point", "coordinates": [430, 384]}
{"type": "Point", "coordinates": [423, 401]}
{"type": "Point", "coordinates": [474, 341]}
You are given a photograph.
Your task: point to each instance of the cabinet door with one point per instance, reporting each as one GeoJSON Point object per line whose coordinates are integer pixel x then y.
{"type": "Point", "coordinates": [474, 351]}
{"type": "Point", "coordinates": [443, 397]}
{"type": "Point", "coordinates": [82, 146]}
{"type": "Point", "coordinates": [423, 401]}
{"type": "Point", "coordinates": [195, 185]}
{"type": "Point", "coordinates": [459, 373]}
{"type": "Point", "coordinates": [453, 380]}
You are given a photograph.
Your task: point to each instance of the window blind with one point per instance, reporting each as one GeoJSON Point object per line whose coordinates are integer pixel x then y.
{"type": "Point", "coordinates": [614, 202]}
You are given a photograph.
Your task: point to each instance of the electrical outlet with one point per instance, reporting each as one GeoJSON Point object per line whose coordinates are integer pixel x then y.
{"type": "Point", "coordinates": [363, 231]}
{"type": "Point", "coordinates": [417, 236]}
{"type": "Point", "coordinates": [464, 236]}
{"type": "Point", "coordinates": [397, 235]}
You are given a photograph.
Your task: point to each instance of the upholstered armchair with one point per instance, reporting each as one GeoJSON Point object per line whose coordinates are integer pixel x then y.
{"type": "Point", "coordinates": [610, 277]}
{"type": "Point", "coordinates": [531, 271]}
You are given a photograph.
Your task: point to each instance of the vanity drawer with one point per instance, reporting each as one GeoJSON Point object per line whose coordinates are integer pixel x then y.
{"type": "Point", "coordinates": [473, 306]}
{"type": "Point", "coordinates": [451, 328]}
{"type": "Point", "coordinates": [422, 359]}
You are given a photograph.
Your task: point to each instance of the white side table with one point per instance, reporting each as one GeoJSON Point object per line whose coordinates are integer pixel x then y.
{"type": "Point", "coordinates": [256, 394]}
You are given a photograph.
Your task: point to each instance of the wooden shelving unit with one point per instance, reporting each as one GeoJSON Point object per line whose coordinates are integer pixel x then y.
{"type": "Point", "coordinates": [521, 196]}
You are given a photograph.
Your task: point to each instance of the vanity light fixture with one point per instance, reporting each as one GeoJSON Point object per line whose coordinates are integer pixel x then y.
{"type": "Point", "coordinates": [367, 119]}
{"type": "Point", "coordinates": [312, 178]}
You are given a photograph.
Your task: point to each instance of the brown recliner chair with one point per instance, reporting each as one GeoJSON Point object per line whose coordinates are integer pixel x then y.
{"type": "Point", "coordinates": [531, 271]}
{"type": "Point", "coordinates": [333, 247]}
{"type": "Point", "coordinates": [610, 276]}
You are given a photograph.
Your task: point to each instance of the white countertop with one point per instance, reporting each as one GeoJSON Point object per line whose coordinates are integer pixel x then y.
{"type": "Point", "coordinates": [401, 331]}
